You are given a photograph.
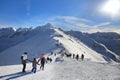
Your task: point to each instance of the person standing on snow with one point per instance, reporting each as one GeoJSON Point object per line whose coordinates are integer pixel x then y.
{"type": "Point", "coordinates": [77, 56]}
{"type": "Point", "coordinates": [50, 60]}
{"type": "Point", "coordinates": [42, 59]}
{"type": "Point", "coordinates": [24, 61]}
{"type": "Point", "coordinates": [82, 57]}
{"type": "Point", "coordinates": [34, 65]}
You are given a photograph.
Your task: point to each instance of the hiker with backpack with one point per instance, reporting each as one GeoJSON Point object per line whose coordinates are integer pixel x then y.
{"type": "Point", "coordinates": [24, 61]}
{"type": "Point", "coordinates": [42, 61]}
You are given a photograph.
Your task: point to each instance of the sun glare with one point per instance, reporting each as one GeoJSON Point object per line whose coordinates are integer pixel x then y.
{"type": "Point", "coordinates": [111, 7]}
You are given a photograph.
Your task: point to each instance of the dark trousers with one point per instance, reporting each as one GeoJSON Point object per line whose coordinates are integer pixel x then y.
{"type": "Point", "coordinates": [24, 67]}
{"type": "Point", "coordinates": [34, 69]}
{"type": "Point", "coordinates": [42, 66]}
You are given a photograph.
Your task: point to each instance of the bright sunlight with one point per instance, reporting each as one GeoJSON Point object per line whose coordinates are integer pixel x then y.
{"type": "Point", "coordinates": [111, 7]}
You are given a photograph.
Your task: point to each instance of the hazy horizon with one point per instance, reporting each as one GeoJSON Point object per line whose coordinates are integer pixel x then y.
{"type": "Point", "coordinates": [81, 15]}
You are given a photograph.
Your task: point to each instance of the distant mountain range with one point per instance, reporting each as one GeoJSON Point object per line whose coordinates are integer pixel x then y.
{"type": "Point", "coordinates": [95, 41]}
{"type": "Point", "coordinates": [43, 39]}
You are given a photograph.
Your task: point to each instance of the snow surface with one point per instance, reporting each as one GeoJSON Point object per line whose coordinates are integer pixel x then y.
{"type": "Point", "coordinates": [47, 39]}
{"type": "Point", "coordinates": [10, 37]}
{"type": "Point", "coordinates": [35, 46]}
{"type": "Point", "coordinates": [97, 46]}
{"type": "Point", "coordinates": [78, 48]}
{"type": "Point", "coordinates": [69, 69]}
{"type": "Point", "coordinates": [110, 40]}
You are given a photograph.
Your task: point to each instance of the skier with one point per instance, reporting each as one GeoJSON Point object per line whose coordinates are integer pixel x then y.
{"type": "Point", "coordinates": [24, 61]}
{"type": "Point", "coordinates": [82, 57]}
{"type": "Point", "coordinates": [34, 65]}
{"type": "Point", "coordinates": [77, 56]}
{"type": "Point", "coordinates": [42, 59]}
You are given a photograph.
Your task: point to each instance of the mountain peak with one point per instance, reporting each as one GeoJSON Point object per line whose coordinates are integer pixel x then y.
{"type": "Point", "coordinates": [49, 25]}
{"type": "Point", "coordinates": [45, 27]}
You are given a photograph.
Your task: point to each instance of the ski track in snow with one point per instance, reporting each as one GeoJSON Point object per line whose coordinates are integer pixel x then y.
{"type": "Point", "coordinates": [69, 69]}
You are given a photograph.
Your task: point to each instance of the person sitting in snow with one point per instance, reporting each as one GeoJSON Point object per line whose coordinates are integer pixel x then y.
{"type": "Point", "coordinates": [42, 59]}
{"type": "Point", "coordinates": [34, 65]}
{"type": "Point", "coordinates": [24, 61]}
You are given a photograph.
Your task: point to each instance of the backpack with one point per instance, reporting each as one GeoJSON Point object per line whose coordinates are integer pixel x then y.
{"type": "Point", "coordinates": [21, 57]}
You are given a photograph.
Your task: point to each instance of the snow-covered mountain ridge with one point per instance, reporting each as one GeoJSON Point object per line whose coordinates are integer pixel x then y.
{"type": "Point", "coordinates": [110, 40]}
{"type": "Point", "coordinates": [94, 44]}
{"type": "Point", "coordinates": [45, 39]}
{"type": "Point", "coordinates": [10, 37]}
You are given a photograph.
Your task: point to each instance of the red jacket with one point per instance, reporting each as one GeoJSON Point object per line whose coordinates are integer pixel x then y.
{"type": "Point", "coordinates": [42, 57]}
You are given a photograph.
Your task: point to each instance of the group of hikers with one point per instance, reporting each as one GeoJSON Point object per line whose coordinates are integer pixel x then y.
{"type": "Point", "coordinates": [42, 61]}
{"type": "Point", "coordinates": [74, 56]}
{"type": "Point", "coordinates": [77, 57]}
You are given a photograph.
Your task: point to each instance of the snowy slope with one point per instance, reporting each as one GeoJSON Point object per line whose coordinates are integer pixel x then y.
{"type": "Point", "coordinates": [106, 39]}
{"type": "Point", "coordinates": [98, 47]}
{"type": "Point", "coordinates": [6, 32]}
{"type": "Point", "coordinates": [43, 39]}
{"type": "Point", "coordinates": [46, 39]}
{"type": "Point", "coordinates": [75, 47]}
{"type": "Point", "coordinates": [43, 42]}
{"type": "Point", "coordinates": [11, 37]}
{"type": "Point", "coordinates": [5, 41]}
{"type": "Point", "coordinates": [69, 69]}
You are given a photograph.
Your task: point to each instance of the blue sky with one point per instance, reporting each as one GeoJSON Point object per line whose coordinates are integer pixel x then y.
{"type": "Point", "coordinates": [81, 15]}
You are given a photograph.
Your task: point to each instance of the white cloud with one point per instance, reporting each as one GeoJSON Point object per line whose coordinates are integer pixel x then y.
{"type": "Point", "coordinates": [102, 24]}
{"type": "Point", "coordinates": [73, 23]}
{"type": "Point", "coordinates": [111, 29]}
{"type": "Point", "coordinates": [4, 26]}
{"type": "Point", "coordinates": [81, 24]}
{"type": "Point", "coordinates": [70, 22]}
{"type": "Point", "coordinates": [69, 19]}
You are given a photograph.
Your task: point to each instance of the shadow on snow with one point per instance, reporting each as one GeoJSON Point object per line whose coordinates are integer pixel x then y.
{"type": "Point", "coordinates": [15, 75]}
